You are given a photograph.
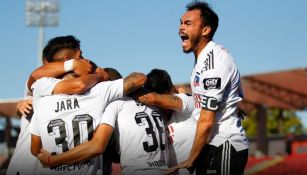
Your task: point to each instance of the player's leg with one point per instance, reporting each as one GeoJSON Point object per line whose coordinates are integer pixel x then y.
{"type": "Point", "coordinates": [209, 160]}
{"type": "Point", "coordinates": [238, 161]}
{"type": "Point", "coordinates": [222, 160]}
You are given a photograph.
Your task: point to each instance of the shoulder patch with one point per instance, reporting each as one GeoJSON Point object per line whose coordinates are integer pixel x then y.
{"type": "Point", "coordinates": [212, 83]}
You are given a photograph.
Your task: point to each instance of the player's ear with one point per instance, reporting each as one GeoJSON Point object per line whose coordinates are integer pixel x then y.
{"type": "Point", "coordinates": [206, 31]}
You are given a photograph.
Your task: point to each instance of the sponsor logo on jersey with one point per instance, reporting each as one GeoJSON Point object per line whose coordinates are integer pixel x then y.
{"type": "Point", "coordinates": [72, 167]}
{"type": "Point", "coordinates": [196, 80]}
{"type": "Point", "coordinates": [197, 100]}
{"type": "Point", "coordinates": [209, 62]}
{"type": "Point", "coordinates": [158, 163]}
{"type": "Point", "coordinates": [205, 102]}
{"type": "Point", "coordinates": [212, 83]}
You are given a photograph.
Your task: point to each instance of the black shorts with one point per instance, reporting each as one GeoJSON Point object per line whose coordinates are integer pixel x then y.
{"type": "Point", "coordinates": [222, 160]}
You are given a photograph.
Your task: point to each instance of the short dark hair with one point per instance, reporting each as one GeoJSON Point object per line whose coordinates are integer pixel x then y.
{"type": "Point", "coordinates": [56, 44]}
{"type": "Point", "coordinates": [209, 17]}
{"type": "Point", "coordinates": [94, 66]}
{"type": "Point", "coordinates": [159, 81]}
{"type": "Point", "coordinates": [113, 73]}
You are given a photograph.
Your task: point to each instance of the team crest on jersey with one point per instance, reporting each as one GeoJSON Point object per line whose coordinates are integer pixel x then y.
{"type": "Point", "coordinates": [209, 62]}
{"type": "Point", "coordinates": [212, 83]}
{"type": "Point", "coordinates": [196, 80]}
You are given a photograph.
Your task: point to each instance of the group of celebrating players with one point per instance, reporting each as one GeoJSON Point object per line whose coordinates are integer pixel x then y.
{"type": "Point", "coordinates": [86, 117]}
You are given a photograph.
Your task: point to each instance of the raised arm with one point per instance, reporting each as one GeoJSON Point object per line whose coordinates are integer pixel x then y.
{"type": "Point", "coordinates": [166, 101]}
{"type": "Point", "coordinates": [56, 69]}
{"type": "Point", "coordinates": [80, 84]}
{"type": "Point", "coordinates": [90, 149]}
{"type": "Point", "coordinates": [77, 85]}
{"type": "Point", "coordinates": [133, 82]}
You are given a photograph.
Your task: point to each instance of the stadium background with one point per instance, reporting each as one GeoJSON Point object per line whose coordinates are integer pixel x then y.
{"type": "Point", "coordinates": [266, 38]}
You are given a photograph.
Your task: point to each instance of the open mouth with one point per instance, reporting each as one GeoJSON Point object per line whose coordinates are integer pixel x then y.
{"type": "Point", "coordinates": [184, 38]}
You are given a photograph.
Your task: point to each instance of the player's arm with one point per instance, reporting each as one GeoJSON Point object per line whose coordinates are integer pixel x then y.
{"type": "Point", "coordinates": [203, 130]}
{"type": "Point", "coordinates": [90, 149]}
{"type": "Point", "coordinates": [56, 69]}
{"type": "Point", "coordinates": [36, 144]}
{"type": "Point", "coordinates": [77, 85]}
{"type": "Point", "coordinates": [24, 107]}
{"type": "Point", "coordinates": [80, 84]}
{"type": "Point", "coordinates": [133, 82]}
{"type": "Point", "coordinates": [166, 101]}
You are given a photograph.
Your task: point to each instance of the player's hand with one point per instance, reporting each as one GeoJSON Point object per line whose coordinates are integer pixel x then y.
{"type": "Point", "coordinates": [148, 98]}
{"type": "Point", "coordinates": [82, 67]}
{"type": "Point", "coordinates": [43, 157]}
{"type": "Point", "coordinates": [102, 73]}
{"type": "Point", "coordinates": [186, 164]}
{"type": "Point", "coordinates": [24, 107]}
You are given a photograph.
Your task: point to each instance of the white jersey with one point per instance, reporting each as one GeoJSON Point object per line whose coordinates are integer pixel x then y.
{"type": "Point", "coordinates": [140, 132]}
{"type": "Point", "coordinates": [181, 130]}
{"type": "Point", "coordinates": [215, 84]}
{"type": "Point", "coordinates": [65, 121]}
{"type": "Point", "coordinates": [22, 161]}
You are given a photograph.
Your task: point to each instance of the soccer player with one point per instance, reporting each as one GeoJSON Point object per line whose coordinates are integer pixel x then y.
{"type": "Point", "coordinates": [139, 130]}
{"type": "Point", "coordinates": [220, 143]}
{"type": "Point", "coordinates": [22, 161]}
{"type": "Point", "coordinates": [62, 122]}
{"type": "Point", "coordinates": [180, 125]}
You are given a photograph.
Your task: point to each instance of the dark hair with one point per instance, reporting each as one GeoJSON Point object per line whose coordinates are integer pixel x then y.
{"type": "Point", "coordinates": [94, 66]}
{"type": "Point", "coordinates": [56, 44]}
{"type": "Point", "coordinates": [209, 17]}
{"type": "Point", "coordinates": [159, 81]}
{"type": "Point", "coordinates": [113, 73]}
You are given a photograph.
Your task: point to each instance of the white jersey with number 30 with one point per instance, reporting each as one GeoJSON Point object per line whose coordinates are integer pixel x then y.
{"type": "Point", "coordinates": [65, 121]}
{"type": "Point", "coordinates": [140, 132]}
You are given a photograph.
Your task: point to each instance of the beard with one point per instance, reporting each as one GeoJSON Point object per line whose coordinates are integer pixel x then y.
{"type": "Point", "coordinates": [186, 51]}
{"type": "Point", "coordinates": [193, 43]}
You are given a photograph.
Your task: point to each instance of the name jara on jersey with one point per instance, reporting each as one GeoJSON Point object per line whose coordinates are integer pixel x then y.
{"type": "Point", "coordinates": [67, 104]}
